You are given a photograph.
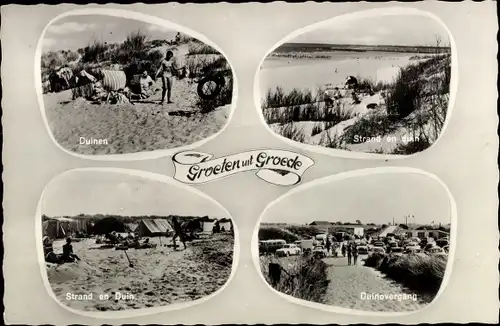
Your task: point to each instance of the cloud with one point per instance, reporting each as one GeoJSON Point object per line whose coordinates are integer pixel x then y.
{"type": "Point", "coordinates": [49, 42]}
{"type": "Point", "coordinates": [70, 27]}
{"type": "Point", "coordinates": [158, 28]}
{"type": "Point", "coordinates": [382, 30]}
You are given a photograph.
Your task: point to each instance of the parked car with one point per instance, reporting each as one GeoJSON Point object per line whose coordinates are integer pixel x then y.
{"type": "Point", "coordinates": [412, 244]}
{"type": "Point", "coordinates": [289, 249]}
{"type": "Point", "coordinates": [392, 244]}
{"type": "Point", "coordinates": [378, 250]}
{"type": "Point", "coordinates": [412, 250]}
{"type": "Point", "coordinates": [415, 239]}
{"type": "Point", "coordinates": [270, 246]}
{"type": "Point", "coordinates": [430, 246]}
{"type": "Point", "coordinates": [379, 244]}
{"type": "Point", "coordinates": [319, 252]}
{"type": "Point", "coordinates": [363, 250]}
{"type": "Point", "coordinates": [446, 248]}
{"type": "Point", "coordinates": [442, 242]}
{"type": "Point", "coordinates": [397, 251]}
{"type": "Point", "coordinates": [436, 251]}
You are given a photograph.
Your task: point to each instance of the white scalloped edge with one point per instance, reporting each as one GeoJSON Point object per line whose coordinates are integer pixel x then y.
{"type": "Point", "coordinates": [353, 174]}
{"type": "Point", "coordinates": [144, 155]}
{"type": "Point", "coordinates": [354, 16]}
{"type": "Point", "coordinates": [133, 312]}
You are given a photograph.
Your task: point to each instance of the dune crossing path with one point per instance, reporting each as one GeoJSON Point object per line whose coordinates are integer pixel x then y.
{"type": "Point", "coordinates": [349, 285]}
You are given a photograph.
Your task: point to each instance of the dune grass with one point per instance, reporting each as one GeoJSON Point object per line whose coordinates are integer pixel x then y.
{"type": "Point", "coordinates": [201, 48]}
{"type": "Point", "coordinates": [305, 279]}
{"type": "Point", "coordinates": [423, 274]}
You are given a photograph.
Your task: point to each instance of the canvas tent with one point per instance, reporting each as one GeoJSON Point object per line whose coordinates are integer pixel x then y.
{"type": "Point", "coordinates": [131, 226]}
{"type": "Point", "coordinates": [225, 223]}
{"type": "Point", "coordinates": [156, 227]}
{"type": "Point", "coordinates": [63, 227]}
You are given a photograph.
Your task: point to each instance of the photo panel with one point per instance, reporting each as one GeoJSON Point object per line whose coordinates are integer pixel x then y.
{"type": "Point", "coordinates": [374, 82]}
{"type": "Point", "coordinates": [118, 85]}
{"type": "Point", "coordinates": [115, 241]}
{"type": "Point", "coordinates": [376, 241]}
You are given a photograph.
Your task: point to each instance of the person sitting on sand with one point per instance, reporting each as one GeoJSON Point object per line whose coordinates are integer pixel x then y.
{"type": "Point", "coordinates": [168, 69]}
{"type": "Point", "coordinates": [178, 233]}
{"type": "Point", "coordinates": [68, 255]}
{"type": "Point", "coordinates": [146, 83]}
{"type": "Point", "coordinates": [47, 245]}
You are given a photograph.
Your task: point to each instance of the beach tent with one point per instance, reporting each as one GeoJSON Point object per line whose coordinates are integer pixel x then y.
{"type": "Point", "coordinates": [108, 225]}
{"type": "Point", "coordinates": [156, 227]}
{"type": "Point", "coordinates": [208, 226]}
{"type": "Point", "coordinates": [225, 223]}
{"type": "Point", "coordinates": [50, 229]}
{"type": "Point", "coordinates": [62, 227]}
{"type": "Point", "coordinates": [131, 226]}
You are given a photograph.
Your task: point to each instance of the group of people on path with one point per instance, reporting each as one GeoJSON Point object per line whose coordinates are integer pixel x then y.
{"type": "Point", "coordinates": [351, 250]}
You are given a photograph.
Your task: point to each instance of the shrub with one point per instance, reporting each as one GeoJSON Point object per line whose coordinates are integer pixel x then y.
{"type": "Point", "coordinates": [201, 49]}
{"type": "Point", "coordinates": [420, 273]}
{"type": "Point", "coordinates": [292, 132]}
{"type": "Point", "coordinates": [303, 231]}
{"type": "Point", "coordinates": [412, 147]}
{"type": "Point", "coordinates": [271, 233]}
{"type": "Point", "coordinates": [278, 98]}
{"type": "Point", "coordinates": [371, 125]}
{"type": "Point", "coordinates": [306, 279]}
{"type": "Point", "coordinates": [94, 52]}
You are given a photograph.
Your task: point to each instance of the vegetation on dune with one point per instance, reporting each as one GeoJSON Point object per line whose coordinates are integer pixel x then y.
{"type": "Point", "coordinates": [270, 233]}
{"type": "Point", "coordinates": [292, 132]}
{"type": "Point", "coordinates": [201, 48]}
{"type": "Point", "coordinates": [306, 279]}
{"type": "Point", "coordinates": [421, 273]}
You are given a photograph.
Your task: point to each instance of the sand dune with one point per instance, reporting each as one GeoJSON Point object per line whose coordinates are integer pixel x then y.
{"type": "Point", "coordinates": [160, 276]}
{"type": "Point", "coordinates": [130, 128]}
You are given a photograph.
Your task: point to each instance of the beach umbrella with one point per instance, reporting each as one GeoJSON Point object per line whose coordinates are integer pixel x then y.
{"type": "Point", "coordinates": [128, 259]}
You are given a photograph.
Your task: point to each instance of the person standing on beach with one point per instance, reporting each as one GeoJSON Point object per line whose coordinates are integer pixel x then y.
{"type": "Point", "coordinates": [168, 69]}
{"type": "Point", "coordinates": [328, 245]}
{"type": "Point", "coordinates": [349, 254]}
{"type": "Point", "coordinates": [178, 233]}
{"type": "Point", "coordinates": [355, 254]}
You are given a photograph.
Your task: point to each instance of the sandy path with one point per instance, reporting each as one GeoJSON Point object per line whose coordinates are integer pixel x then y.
{"type": "Point", "coordinates": [347, 283]}
{"type": "Point", "coordinates": [160, 276]}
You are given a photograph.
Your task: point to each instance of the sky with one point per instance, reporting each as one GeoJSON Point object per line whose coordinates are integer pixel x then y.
{"type": "Point", "coordinates": [379, 30]}
{"type": "Point", "coordinates": [370, 199]}
{"type": "Point", "coordinates": [84, 192]}
{"type": "Point", "coordinates": [75, 32]}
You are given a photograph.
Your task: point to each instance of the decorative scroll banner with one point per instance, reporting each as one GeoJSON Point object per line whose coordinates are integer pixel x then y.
{"type": "Point", "coordinates": [278, 167]}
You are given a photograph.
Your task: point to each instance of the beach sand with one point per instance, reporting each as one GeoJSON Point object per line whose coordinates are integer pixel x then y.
{"type": "Point", "coordinates": [131, 128]}
{"type": "Point", "coordinates": [160, 276]}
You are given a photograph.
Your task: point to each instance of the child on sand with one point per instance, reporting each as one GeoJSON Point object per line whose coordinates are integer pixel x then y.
{"type": "Point", "coordinates": [178, 233]}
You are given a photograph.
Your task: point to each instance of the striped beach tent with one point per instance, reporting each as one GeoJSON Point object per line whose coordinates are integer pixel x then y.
{"type": "Point", "coordinates": [114, 80]}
